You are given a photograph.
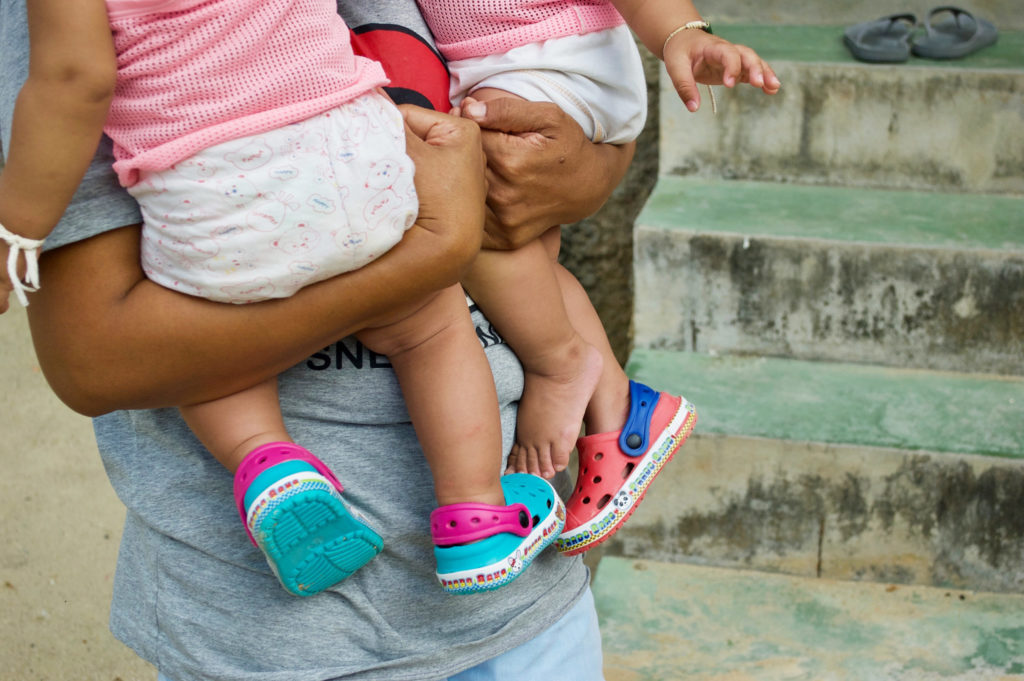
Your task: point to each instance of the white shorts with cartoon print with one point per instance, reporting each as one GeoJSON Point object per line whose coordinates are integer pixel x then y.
{"type": "Point", "coordinates": [262, 216]}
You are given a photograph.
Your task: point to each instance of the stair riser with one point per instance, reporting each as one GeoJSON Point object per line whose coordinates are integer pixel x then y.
{"type": "Point", "coordinates": [824, 300]}
{"type": "Point", "coordinates": [1006, 14]}
{"type": "Point", "coordinates": [858, 125]}
{"type": "Point", "coordinates": [838, 512]}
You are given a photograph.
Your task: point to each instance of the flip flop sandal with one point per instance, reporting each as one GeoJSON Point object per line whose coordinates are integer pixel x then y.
{"type": "Point", "coordinates": [616, 468]}
{"type": "Point", "coordinates": [480, 547]}
{"type": "Point", "coordinates": [958, 35]}
{"type": "Point", "coordinates": [886, 39]}
{"type": "Point", "coordinates": [310, 537]}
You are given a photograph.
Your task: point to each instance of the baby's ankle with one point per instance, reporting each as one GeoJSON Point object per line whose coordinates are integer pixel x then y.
{"type": "Point", "coordinates": [564, 361]}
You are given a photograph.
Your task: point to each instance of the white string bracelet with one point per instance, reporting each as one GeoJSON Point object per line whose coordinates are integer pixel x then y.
{"type": "Point", "coordinates": [701, 25]}
{"type": "Point", "coordinates": [30, 247]}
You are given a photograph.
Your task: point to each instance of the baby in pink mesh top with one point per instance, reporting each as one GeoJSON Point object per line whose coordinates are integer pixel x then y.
{"type": "Point", "coordinates": [579, 55]}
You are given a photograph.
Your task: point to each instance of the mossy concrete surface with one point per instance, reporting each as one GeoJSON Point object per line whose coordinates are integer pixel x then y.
{"type": "Point", "coordinates": [948, 126]}
{"type": "Point", "coordinates": [1005, 14]}
{"type": "Point", "coordinates": [838, 470]}
{"type": "Point", "coordinates": [834, 403]}
{"type": "Point", "coordinates": [668, 622]}
{"type": "Point", "coordinates": [909, 279]}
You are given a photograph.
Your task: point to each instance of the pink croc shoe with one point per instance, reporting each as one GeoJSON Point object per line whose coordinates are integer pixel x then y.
{"type": "Point", "coordinates": [616, 468]}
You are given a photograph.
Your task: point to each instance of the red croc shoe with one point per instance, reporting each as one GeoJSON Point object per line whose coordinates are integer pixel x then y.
{"type": "Point", "coordinates": [616, 468]}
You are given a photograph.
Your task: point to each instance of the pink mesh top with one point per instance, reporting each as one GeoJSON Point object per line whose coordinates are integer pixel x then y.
{"type": "Point", "coordinates": [475, 28]}
{"type": "Point", "coordinates": [194, 73]}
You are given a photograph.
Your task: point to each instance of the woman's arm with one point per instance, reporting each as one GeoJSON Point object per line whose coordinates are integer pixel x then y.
{"type": "Point", "coordinates": [58, 117]}
{"type": "Point", "coordinates": [541, 169]}
{"type": "Point", "coordinates": [107, 338]}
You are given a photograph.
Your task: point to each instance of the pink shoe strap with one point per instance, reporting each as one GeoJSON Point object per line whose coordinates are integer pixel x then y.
{"type": "Point", "coordinates": [266, 456]}
{"type": "Point", "coordinates": [464, 523]}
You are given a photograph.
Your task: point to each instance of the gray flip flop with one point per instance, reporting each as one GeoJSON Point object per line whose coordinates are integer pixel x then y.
{"type": "Point", "coordinates": [886, 39]}
{"type": "Point", "coordinates": [958, 35]}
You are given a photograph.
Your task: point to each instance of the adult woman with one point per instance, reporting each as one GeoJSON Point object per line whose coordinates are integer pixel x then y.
{"type": "Point", "coordinates": [108, 340]}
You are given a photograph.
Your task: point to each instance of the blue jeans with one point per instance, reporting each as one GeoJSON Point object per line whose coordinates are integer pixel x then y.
{"type": "Point", "coordinates": [569, 650]}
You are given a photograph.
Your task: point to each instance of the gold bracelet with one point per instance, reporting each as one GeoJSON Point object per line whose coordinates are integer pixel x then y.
{"type": "Point", "coordinates": [699, 24]}
{"type": "Point", "coordinates": [703, 26]}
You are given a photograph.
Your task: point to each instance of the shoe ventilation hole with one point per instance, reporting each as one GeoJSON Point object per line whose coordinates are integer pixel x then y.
{"type": "Point", "coordinates": [597, 479]}
{"type": "Point", "coordinates": [549, 503]}
{"type": "Point", "coordinates": [627, 469]}
{"type": "Point", "coordinates": [586, 500]}
{"type": "Point", "coordinates": [598, 456]}
{"type": "Point", "coordinates": [524, 519]}
{"type": "Point", "coordinates": [262, 459]}
{"type": "Point", "coordinates": [604, 501]}
{"type": "Point", "coordinates": [536, 521]}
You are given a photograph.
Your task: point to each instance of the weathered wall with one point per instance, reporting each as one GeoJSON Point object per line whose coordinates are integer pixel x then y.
{"type": "Point", "coordinates": [839, 512]}
{"type": "Point", "coordinates": [839, 301]}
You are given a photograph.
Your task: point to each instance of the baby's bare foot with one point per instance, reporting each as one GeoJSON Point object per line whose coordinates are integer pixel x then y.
{"type": "Point", "coordinates": [551, 412]}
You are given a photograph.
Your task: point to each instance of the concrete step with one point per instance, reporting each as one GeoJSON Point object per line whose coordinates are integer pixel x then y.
{"type": "Point", "coordinates": [919, 279]}
{"type": "Point", "coordinates": [1005, 14]}
{"type": "Point", "coordinates": [840, 471]}
{"type": "Point", "coordinates": [665, 622]}
{"type": "Point", "coordinates": [951, 126]}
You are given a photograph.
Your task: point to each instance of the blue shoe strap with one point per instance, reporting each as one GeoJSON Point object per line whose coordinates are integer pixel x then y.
{"type": "Point", "coordinates": [270, 476]}
{"type": "Point", "coordinates": [642, 401]}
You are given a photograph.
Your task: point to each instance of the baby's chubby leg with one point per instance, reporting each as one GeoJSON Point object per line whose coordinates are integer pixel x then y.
{"type": "Point", "coordinates": [519, 292]}
{"type": "Point", "coordinates": [449, 391]}
{"type": "Point", "coordinates": [233, 426]}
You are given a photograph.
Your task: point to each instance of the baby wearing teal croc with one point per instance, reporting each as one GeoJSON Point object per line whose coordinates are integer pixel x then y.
{"type": "Point", "coordinates": [291, 506]}
{"type": "Point", "coordinates": [480, 547]}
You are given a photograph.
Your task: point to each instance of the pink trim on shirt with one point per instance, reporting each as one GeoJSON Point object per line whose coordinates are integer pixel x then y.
{"type": "Point", "coordinates": [476, 28]}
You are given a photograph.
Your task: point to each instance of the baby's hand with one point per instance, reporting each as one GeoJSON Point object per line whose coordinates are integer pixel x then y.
{"type": "Point", "coordinates": [693, 56]}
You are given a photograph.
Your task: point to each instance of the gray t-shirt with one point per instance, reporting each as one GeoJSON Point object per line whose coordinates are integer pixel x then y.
{"type": "Point", "coordinates": [196, 599]}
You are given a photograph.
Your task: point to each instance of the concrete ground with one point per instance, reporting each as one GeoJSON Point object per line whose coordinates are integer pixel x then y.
{"type": "Point", "coordinates": [669, 621]}
{"type": "Point", "coordinates": [60, 525]}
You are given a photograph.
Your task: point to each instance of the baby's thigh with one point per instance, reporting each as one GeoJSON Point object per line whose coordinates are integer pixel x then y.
{"type": "Point", "coordinates": [486, 94]}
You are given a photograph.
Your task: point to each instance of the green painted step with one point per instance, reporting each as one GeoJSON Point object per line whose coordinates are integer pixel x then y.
{"type": "Point", "coordinates": [949, 125]}
{"type": "Point", "coordinates": [825, 44]}
{"type": "Point", "coordinates": [843, 403]}
{"type": "Point", "coordinates": [919, 218]}
{"type": "Point", "coordinates": [928, 280]}
{"type": "Point", "coordinates": [670, 622]}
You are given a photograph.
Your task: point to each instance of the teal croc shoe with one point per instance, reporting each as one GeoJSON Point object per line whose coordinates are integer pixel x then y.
{"type": "Point", "coordinates": [292, 508]}
{"type": "Point", "coordinates": [480, 547]}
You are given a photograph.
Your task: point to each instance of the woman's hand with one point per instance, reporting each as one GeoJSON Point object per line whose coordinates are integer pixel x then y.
{"type": "Point", "coordinates": [449, 177]}
{"type": "Point", "coordinates": [541, 169]}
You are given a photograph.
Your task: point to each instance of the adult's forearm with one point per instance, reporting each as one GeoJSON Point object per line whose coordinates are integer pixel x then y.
{"type": "Point", "coordinates": [107, 338]}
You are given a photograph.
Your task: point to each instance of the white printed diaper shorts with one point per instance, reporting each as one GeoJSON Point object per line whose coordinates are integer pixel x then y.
{"type": "Point", "coordinates": [262, 216]}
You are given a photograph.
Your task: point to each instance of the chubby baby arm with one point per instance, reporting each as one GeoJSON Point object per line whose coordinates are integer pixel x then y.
{"type": "Point", "coordinates": [57, 122]}
{"type": "Point", "coordinates": [107, 338]}
{"type": "Point", "coordinates": [692, 55]}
